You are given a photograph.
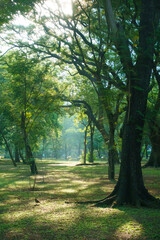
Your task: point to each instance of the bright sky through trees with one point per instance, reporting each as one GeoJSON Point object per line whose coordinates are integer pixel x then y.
{"type": "Point", "coordinates": [42, 9]}
{"type": "Point", "coordinates": [66, 6]}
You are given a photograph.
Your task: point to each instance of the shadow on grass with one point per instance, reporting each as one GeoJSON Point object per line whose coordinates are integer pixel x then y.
{"type": "Point", "coordinates": [21, 218]}
{"type": "Point", "coordinates": [80, 222]}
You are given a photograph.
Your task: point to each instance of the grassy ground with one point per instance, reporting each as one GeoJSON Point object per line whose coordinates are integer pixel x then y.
{"type": "Point", "coordinates": [58, 182]}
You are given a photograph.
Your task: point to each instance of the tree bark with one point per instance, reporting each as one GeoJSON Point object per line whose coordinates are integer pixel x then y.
{"type": "Point", "coordinates": [85, 144]}
{"type": "Point", "coordinates": [130, 187]}
{"type": "Point", "coordinates": [111, 152]}
{"type": "Point", "coordinates": [154, 131]}
{"type": "Point", "coordinates": [154, 160]}
{"type": "Point", "coordinates": [108, 138]}
{"type": "Point", "coordinates": [29, 156]}
{"type": "Point", "coordinates": [21, 155]}
{"type": "Point", "coordinates": [9, 150]}
{"type": "Point", "coordinates": [91, 143]}
{"type": "Point", "coordinates": [17, 159]}
{"type": "Point", "coordinates": [31, 160]}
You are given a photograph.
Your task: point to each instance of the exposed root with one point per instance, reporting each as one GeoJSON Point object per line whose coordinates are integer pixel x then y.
{"type": "Point", "coordinates": [142, 198]}
{"type": "Point", "coordinates": [89, 164]}
{"type": "Point", "coordinates": [108, 201]}
{"type": "Point", "coordinates": [113, 201]}
{"type": "Point", "coordinates": [83, 202]}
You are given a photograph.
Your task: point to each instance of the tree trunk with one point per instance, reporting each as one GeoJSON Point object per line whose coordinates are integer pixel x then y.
{"type": "Point", "coordinates": [21, 155]}
{"type": "Point", "coordinates": [98, 151]}
{"type": "Point", "coordinates": [154, 134]}
{"type": "Point", "coordinates": [130, 187]}
{"type": "Point", "coordinates": [17, 159]}
{"type": "Point", "coordinates": [9, 150]}
{"type": "Point", "coordinates": [154, 160]}
{"type": "Point", "coordinates": [85, 145]}
{"type": "Point", "coordinates": [31, 160]}
{"type": "Point", "coordinates": [29, 156]}
{"type": "Point", "coordinates": [155, 156]}
{"type": "Point", "coordinates": [91, 143]}
{"type": "Point", "coordinates": [100, 125]}
{"type": "Point", "coordinates": [111, 152]}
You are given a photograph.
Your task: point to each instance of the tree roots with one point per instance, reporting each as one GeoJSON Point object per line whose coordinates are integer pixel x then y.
{"type": "Point", "coordinates": [114, 201]}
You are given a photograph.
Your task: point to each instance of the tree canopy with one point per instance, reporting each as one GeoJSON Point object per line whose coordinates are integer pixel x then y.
{"type": "Point", "coordinates": [9, 8]}
{"type": "Point", "coordinates": [104, 56]}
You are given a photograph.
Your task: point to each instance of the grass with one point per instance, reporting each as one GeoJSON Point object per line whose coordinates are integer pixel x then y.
{"type": "Point", "coordinates": [53, 218]}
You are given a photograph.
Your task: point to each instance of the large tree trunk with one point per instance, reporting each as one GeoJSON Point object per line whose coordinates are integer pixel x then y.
{"type": "Point", "coordinates": [130, 187]}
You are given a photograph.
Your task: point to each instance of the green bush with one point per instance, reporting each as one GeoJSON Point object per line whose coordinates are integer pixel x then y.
{"type": "Point", "coordinates": [88, 157]}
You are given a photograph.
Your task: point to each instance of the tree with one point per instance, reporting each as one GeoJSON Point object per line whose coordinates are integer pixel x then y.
{"type": "Point", "coordinates": [28, 84]}
{"type": "Point", "coordinates": [130, 187]}
{"type": "Point", "coordinates": [129, 39]}
{"type": "Point", "coordinates": [9, 8]}
{"type": "Point", "coordinates": [7, 129]}
{"type": "Point", "coordinates": [152, 128]}
{"type": "Point", "coordinates": [137, 68]}
{"type": "Point", "coordinates": [86, 50]}
{"type": "Point", "coordinates": [99, 145]}
{"type": "Point", "coordinates": [91, 148]}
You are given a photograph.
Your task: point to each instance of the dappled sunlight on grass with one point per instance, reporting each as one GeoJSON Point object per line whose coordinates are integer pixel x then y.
{"type": "Point", "coordinates": [70, 190]}
{"type": "Point", "coordinates": [130, 230]}
{"type": "Point", "coordinates": [22, 218]}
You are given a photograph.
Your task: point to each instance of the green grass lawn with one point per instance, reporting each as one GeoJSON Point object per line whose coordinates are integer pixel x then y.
{"type": "Point", "coordinates": [59, 182]}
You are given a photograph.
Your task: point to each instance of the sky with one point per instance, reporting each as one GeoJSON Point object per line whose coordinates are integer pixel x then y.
{"type": "Point", "coordinates": [49, 4]}
{"type": "Point", "coordinates": [65, 4]}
